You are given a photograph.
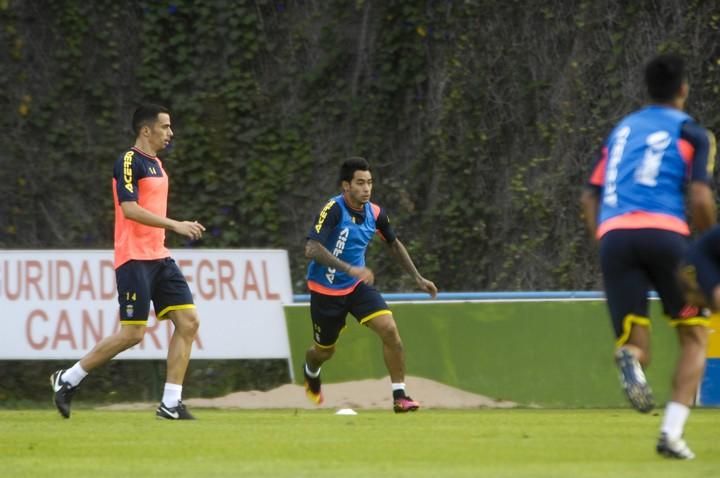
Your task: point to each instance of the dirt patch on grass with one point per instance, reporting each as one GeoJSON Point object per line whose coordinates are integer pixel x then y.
{"type": "Point", "coordinates": [361, 394]}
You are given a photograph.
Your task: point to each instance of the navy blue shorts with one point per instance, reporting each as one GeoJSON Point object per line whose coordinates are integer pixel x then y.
{"type": "Point", "coordinates": [633, 261]}
{"type": "Point", "coordinates": [328, 312]}
{"type": "Point", "coordinates": [704, 263]}
{"type": "Point", "coordinates": [159, 281]}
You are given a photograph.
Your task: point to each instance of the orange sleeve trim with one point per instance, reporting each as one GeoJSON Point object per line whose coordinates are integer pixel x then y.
{"type": "Point", "coordinates": [598, 175]}
{"type": "Point", "coordinates": [687, 151]}
{"type": "Point", "coordinates": [644, 220]}
{"type": "Point", "coordinates": [375, 210]}
{"type": "Point", "coordinates": [321, 289]}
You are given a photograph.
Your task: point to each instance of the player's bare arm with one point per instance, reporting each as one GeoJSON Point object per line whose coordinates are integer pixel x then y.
{"type": "Point", "coordinates": [401, 255]}
{"type": "Point", "coordinates": [133, 211]}
{"type": "Point", "coordinates": [317, 252]}
{"type": "Point", "coordinates": [702, 206]}
{"type": "Point", "coordinates": [590, 202]}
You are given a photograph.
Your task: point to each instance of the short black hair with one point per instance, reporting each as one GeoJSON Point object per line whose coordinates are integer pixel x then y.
{"type": "Point", "coordinates": [350, 165]}
{"type": "Point", "coordinates": [664, 75]}
{"type": "Point", "coordinates": [145, 115]}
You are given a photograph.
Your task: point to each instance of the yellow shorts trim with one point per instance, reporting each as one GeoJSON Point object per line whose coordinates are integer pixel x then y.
{"type": "Point", "coordinates": [628, 322]}
{"type": "Point", "coordinates": [701, 321]}
{"type": "Point", "coordinates": [133, 322]}
{"type": "Point", "coordinates": [161, 315]}
{"type": "Point", "coordinates": [321, 346]}
{"type": "Point", "coordinates": [375, 314]}
{"type": "Point", "coordinates": [713, 350]}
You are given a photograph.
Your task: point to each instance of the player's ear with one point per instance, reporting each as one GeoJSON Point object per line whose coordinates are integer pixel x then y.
{"type": "Point", "coordinates": [684, 91]}
{"type": "Point", "coordinates": [345, 185]}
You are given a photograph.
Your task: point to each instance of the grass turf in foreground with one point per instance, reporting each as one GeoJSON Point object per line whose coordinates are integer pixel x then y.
{"type": "Point", "coordinates": [493, 443]}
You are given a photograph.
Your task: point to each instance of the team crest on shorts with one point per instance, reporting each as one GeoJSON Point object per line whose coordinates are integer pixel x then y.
{"type": "Point", "coordinates": [129, 311]}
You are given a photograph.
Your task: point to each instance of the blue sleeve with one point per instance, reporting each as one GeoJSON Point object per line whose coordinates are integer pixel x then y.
{"type": "Point", "coordinates": [703, 144]}
{"type": "Point", "coordinates": [325, 222]}
{"type": "Point", "coordinates": [127, 173]}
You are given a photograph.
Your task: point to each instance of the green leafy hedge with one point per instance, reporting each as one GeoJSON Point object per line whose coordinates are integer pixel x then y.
{"type": "Point", "coordinates": [480, 119]}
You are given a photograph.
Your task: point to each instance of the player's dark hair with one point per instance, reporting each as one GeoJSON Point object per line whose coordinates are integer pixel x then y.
{"type": "Point", "coordinates": [350, 165]}
{"type": "Point", "coordinates": [664, 75]}
{"type": "Point", "coordinates": [146, 115]}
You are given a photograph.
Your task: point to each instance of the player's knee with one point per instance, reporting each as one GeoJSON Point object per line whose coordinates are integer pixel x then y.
{"type": "Point", "coordinates": [645, 358]}
{"type": "Point", "coordinates": [693, 336]}
{"type": "Point", "coordinates": [131, 335]}
{"type": "Point", "coordinates": [328, 353]}
{"type": "Point", "coordinates": [187, 322]}
{"type": "Point", "coordinates": [323, 353]}
{"type": "Point", "coordinates": [390, 335]}
{"type": "Point", "coordinates": [396, 342]}
{"type": "Point", "coordinates": [193, 324]}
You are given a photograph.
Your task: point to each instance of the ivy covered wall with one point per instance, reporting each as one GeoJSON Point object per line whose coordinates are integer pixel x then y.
{"type": "Point", "coordinates": [480, 119]}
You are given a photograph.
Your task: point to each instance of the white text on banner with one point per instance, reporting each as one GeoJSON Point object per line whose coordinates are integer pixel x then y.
{"type": "Point", "coordinates": [57, 304]}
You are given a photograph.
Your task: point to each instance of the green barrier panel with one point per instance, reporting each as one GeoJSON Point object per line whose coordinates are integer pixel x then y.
{"type": "Point", "coordinates": [552, 354]}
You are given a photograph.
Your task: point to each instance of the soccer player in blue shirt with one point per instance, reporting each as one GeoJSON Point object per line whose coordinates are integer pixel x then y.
{"type": "Point", "coordinates": [340, 283]}
{"type": "Point", "coordinates": [655, 161]}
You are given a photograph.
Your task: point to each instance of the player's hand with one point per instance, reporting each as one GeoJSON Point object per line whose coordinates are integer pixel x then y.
{"type": "Point", "coordinates": [192, 229]}
{"type": "Point", "coordinates": [427, 286]}
{"type": "Point", "coordinates": [363, 273]}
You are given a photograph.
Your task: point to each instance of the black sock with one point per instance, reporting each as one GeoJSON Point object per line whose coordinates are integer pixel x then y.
{"type": "Point", "coordinates": [398, 394]}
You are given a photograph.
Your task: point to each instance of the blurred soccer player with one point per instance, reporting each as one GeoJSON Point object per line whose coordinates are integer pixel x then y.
{"type": "Point", "coordinates": [340, 283]}
{"type": "Point", "coordinates": [653, 161]}
{"type": "Point", "coordinates": [143, 267]}
{"type": "Point", "coordinates": [701, 273]}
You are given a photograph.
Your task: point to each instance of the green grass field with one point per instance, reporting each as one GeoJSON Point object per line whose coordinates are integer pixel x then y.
{"type": "Point", "coordinates": [291, 443]}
